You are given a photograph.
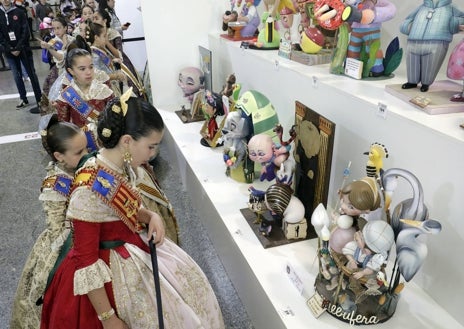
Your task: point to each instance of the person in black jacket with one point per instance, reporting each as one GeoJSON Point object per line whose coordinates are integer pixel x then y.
{"type": "Point", "coordinates": [14, 41]}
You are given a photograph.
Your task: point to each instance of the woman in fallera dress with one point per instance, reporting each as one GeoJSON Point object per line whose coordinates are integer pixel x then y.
{"type": "Point", "coordinates": [106, 280]}
{"type": "Point", "coordinates": [66, 144]}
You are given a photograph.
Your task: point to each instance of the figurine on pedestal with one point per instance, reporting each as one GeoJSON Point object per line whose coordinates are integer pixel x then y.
{"type": "Point", "coordinates": [212, 108]}
{"type": "Point", "coordinates": [276, 160]}
{"type": "Point", "coordinates": [455, 69]}
{"type": "Point", "coordinates": [353, 283]}
{"type": "Point", "coordinates": [366, 18]}
{"type": "Point", "coordinates": [231, 16]}
{"type": "Point", "coordinates": [290, 36]}
{"type": "Point", "coordinates": [362, 44]}
{"type": "Point", "coordinates": [287, 212]}
{"type": "Point", "coordinates": [241, 22]}
{"type": "Point", "coordinates": [230, 86]}
{"type": "Point", "coordinates": [191, 80]}
{"type": "Point", "coordinates": [269, 37]}
{"type": "Point", "coordinates": [430, 29]}
{"type": "Point", "coordinates": [235, 134]}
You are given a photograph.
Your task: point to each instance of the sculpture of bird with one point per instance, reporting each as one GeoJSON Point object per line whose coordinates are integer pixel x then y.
{"type": "Point", "coordinates": [377, 152]}
{"type": "Point", "coordinates": [410, 252]}
{"type": "Point", "coordinates": [413, 208]}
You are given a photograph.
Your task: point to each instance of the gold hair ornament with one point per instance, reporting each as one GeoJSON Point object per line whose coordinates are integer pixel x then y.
{"type": "Point", "coordinates": [106, 132]}
{"type": "Point", "coordinates": [123, 100]}
{"type": "Point", "coordinates": [116, 109]}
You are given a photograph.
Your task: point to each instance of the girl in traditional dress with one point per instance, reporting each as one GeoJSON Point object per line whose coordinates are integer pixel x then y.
{"type": "Point", "coordinates": [82, 100]}
{"type": "Point", "coordinates": [57, 48]}
{"type": "Point", "coordinates": [105, 57]}
{"type": "Point", "coordinates": [116, 24]}
{"type": "Point", "coordinates": [106, 280]}
{"type": "Point", "coordinates": [86, 16]}
{"type": "Point", "coordinates": [66, 144]}
{"type": "Point", "coordinates": [102, 17]}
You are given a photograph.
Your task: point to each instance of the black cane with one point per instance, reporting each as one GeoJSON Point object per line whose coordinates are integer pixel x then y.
{"type": "Point", "coordinates": [154, 262]}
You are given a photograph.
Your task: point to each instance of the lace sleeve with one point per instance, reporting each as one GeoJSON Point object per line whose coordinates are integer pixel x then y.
{"type": "Point", "coordinates": [91, 277]}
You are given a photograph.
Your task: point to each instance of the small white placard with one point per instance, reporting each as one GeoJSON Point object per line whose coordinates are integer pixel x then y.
{"type": "Point", "coordinates": [382, 110]}
{"type": "Point", "coordinates": [294, 278]}
{"type": "Point", "coordinates": [315, 304]}
{"type": "Point", "coordinates": [354, 68]}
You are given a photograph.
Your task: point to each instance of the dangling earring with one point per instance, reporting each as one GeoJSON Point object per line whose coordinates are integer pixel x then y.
{"type": "Point", "coordinates": [127, 158]}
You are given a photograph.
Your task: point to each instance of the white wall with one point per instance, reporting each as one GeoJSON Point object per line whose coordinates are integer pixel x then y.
{"type": "Point", "coordinates": [173, 34]}
{"type": "Point", "coordinates": [129, 11]}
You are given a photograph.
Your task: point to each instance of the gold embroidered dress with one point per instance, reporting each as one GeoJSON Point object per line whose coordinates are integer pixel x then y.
{"type": "Point", "coordinates": [153, 198]}
{"type": "Point", "coordinates": [26, 314]}
{"type": "Point", "coordinates": [123, 267]}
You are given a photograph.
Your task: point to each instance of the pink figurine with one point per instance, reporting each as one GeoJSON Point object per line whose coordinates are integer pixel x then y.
{"type": "Point", "coordinates": [274, 158]}
{"type": "Point", "coordinates": [191, 80]}
{"type": "Point", "coordinates": [455, 69]}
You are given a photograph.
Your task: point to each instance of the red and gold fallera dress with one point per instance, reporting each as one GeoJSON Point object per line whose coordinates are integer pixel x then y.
{"type": "Point", "coordinates": [54, 197]}
{"type": "Point", "coordinates": [81, 108]}
{"type": "Point", "coordinates": [110, 252]}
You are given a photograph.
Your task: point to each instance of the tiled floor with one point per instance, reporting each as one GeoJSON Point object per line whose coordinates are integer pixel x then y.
{"type": "Point", "coordinates": [22, 162]}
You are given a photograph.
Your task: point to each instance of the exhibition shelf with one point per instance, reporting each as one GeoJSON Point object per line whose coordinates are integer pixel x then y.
{"type": "Point", "coordinates": [274, 283]}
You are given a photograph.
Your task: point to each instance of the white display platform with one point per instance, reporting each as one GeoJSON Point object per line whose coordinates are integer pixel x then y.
{"type": "Point", "coordinates": [430, 146]}
{"type": "Point", "coordinates": [435, 101]}
{"type": "Point", "coordinates": [259, 275]}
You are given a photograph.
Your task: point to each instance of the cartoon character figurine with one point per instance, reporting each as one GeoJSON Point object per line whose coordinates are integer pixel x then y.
{"type": "Point", "coordinates": [357, 200]}
{"type": "Point", "coordinates": [374, 165]}
{"type": "Point", "coordinates": [231, 16]}
{"type": "Point", "coordinates": [191, 80]}
{"type": "Point", "coordinates": [430, 29]}
{"type": "Point", "coordinates": [368, 252]}
{"type": "Point", "coordinates": [275, 159]}
{"type": "Point", "coordinates": [212, 108]}
{"type": "Point", "coordinates": [250, 17]}
{"type": "Point", "coordinates": [366, 18]}
{"type": "Point", "coordinates": [286, 210]}
{"type": "Point", "coordinates": [235, 134]}
{"type": "Point", "coordinates": [353, 276]}
{"type": "Point", "coordinates": [253, 114]}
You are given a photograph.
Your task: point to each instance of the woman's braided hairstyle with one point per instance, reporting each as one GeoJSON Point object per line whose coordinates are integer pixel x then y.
{"type": "Point", "coordinates": [140, 119]}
